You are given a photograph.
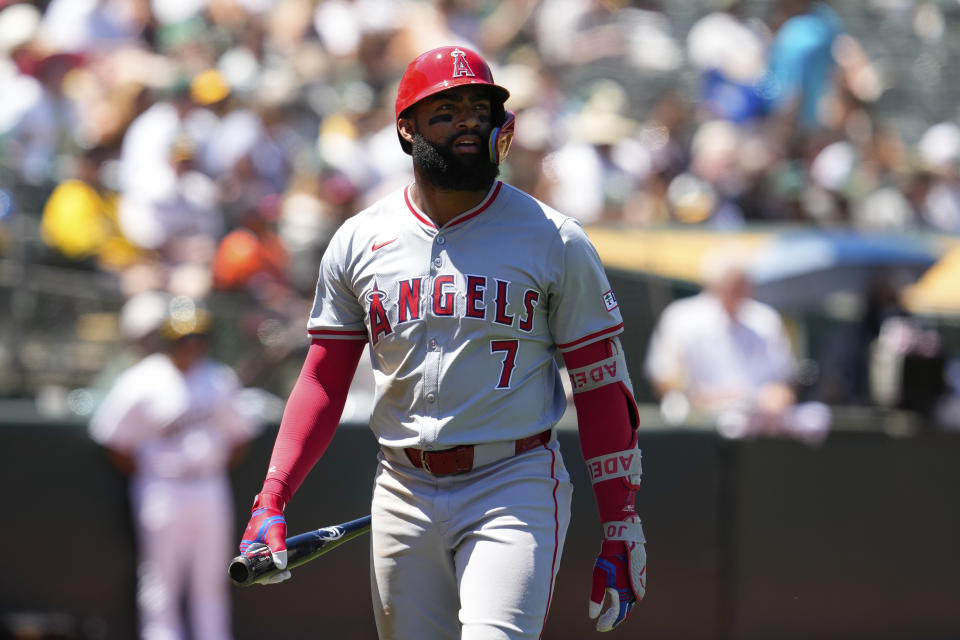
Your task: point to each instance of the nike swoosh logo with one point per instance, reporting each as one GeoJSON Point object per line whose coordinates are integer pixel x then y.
{"type": "Point", "coordinates": [380, 245]}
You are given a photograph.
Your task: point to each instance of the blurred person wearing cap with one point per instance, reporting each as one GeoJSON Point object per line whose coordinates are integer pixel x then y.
{"type": "Point", "coordinates": [40, 122]}
{"type": "Point", "coordinates": [179, 218]}
{"type": "Point", "coordinates": [175, 421]}
{"type": "Point", "coordinates": [724, 357]}
{"type": "Point", "coordinates": [237, 149]}
{"type": "Point", "coordinates": [171, 112]}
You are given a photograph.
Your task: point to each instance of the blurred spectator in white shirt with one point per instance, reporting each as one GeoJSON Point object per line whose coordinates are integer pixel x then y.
{"type": "Point", "coordinates": [179, 218]}
{"type": "Point", "coordinates": [723, 356]}
{"type": "Point", "coordinates": [146, 143]}
{"type": "Point", "coordinates": [44, 124]}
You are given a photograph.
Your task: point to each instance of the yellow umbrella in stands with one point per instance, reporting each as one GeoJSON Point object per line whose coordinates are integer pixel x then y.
{"type": "Point", "coordinates": [937, 292]}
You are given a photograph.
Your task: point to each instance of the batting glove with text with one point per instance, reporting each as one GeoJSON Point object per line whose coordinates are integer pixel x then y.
{"type": "Point", "coordinates": [620, 573]}
{"type": "Point", "coordinates": [268, 527]}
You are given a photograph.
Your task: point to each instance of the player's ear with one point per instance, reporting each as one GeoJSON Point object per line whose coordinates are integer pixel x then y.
{"type": "Point", "coordinates": [406, 128]}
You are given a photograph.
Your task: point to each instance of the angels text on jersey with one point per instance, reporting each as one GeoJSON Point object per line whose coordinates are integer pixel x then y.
{"type": "Point", "coordinates": [476, 297]}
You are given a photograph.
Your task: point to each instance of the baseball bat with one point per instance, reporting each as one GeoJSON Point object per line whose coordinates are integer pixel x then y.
{"type": "Point", "coordinates": [245, 570]}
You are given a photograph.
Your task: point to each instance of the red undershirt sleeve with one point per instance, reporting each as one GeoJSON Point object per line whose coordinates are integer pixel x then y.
{"type": "Point", "coordinates": [606, 421]}
{"type": "Point", "coordinates": [607, 415]}
{"type": "Point", "coordinates": [312, 413]}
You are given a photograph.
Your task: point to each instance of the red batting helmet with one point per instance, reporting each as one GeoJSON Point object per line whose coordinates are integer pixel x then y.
{"type": "Point", "coordinates": [441, 69]}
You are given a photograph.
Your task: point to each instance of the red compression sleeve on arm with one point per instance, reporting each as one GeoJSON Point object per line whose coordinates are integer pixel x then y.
{"type": "Point", "coordinates": [606, 416]}
{"type": "Point", "coordinates": [312, 413]}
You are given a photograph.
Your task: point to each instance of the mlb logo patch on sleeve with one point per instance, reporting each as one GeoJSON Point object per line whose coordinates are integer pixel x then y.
{"type": "Point", "coordinates": [610, 301]}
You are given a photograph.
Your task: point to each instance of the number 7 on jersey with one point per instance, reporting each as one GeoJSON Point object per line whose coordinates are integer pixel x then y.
{"type": "Point", "coordinates": [509, 349]}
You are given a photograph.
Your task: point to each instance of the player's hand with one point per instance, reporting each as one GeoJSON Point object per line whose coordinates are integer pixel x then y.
{"type": "Point", "coordinates": [268, 527]}
{"type": "Point", "coordinates": [619, 576]}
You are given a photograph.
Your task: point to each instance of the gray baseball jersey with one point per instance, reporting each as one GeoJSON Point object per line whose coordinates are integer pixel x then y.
{"type": "Point", "coordinates": [464, 321]}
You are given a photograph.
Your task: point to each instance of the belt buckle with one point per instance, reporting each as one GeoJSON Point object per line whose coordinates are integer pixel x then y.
{"type": "Point", "coordinates": [423, 461]}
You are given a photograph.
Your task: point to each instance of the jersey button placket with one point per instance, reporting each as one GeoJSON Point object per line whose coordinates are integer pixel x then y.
{"type": "Point", "coordinates": [433, 356]}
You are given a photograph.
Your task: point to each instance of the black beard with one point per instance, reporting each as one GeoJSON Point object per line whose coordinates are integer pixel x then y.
{"type": "Point", "coordinates": [449, 172]}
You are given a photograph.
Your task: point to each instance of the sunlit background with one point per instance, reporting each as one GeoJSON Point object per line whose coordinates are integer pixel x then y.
{"type": "Point", "coordinates": [210, 148]}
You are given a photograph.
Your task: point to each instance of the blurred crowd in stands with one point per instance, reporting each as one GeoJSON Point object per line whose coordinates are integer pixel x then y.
{"type": "Point", "coordinates": [209, 148]}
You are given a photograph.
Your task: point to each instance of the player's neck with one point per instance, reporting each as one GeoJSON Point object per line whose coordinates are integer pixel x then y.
{"type": "Point", "coordinates": [442, 206]}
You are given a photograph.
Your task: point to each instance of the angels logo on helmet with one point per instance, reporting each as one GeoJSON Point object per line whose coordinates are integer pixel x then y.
{"type": "Point", "coordinates": [460, 65]}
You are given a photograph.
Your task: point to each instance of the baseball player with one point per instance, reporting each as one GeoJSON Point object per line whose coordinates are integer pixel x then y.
{"type": "Point", "coordinates": [173, 421]}
{"type": "Point", "coordinates": [466, 288]}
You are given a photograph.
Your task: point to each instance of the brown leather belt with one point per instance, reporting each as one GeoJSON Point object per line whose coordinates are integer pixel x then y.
{"type": "Point", "coordinates": [460, 459]}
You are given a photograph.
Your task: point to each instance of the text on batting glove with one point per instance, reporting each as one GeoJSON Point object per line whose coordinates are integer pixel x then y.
{"type": "Point", "coordinates": [619, 574]}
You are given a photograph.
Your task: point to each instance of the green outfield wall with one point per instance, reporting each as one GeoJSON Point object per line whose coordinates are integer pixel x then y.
{"type": "Point", "coordinates": [765, 539]}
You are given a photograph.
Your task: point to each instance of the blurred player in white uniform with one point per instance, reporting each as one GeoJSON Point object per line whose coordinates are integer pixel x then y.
{"type": "Point", "coordinates": [173, 421]}
{"type": "Point", "coordinates": [466, 288]}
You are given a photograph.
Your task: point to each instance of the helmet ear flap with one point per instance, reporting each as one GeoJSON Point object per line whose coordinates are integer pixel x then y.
{"type": "Point", "coordinates": [502, 137]}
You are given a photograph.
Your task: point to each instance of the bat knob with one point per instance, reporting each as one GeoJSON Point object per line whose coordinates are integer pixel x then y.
{"type": "Point", "coordinates": [247, 567]}
{"type": "Point", "coordinates": [239, 570]}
